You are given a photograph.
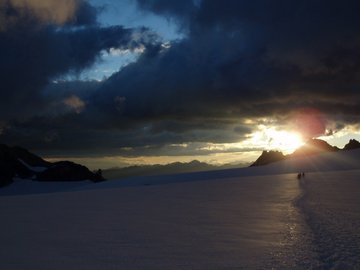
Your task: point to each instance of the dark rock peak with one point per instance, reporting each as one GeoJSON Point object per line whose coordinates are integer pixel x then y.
{"type": "Point", "coordinates": [314, 146]}
{"type": "Point", "coordinates": [268, 157]}
{"type": "Point", "coordinates": [69, 171]}
{"type": "Point", "coordinates": [352, 144]}
{"type": "Point", "coordinates": [29, 158]}
{"type": "Point", "coordinates": [19, 162]}
{"type": "Point", "coordinates": [10, 166]}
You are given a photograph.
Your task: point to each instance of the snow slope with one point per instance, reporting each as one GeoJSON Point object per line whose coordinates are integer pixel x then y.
{"type": "Point", "coordinates": [234, 223]}
{"type": "Point", "coordinates": [255, 218]}
{"type": "Point", "coordinates": [331, 205]}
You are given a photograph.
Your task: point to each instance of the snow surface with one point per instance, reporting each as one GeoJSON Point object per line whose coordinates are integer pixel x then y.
{"type": "Point", "coordinates": [331, 205]}
{"type": "Point", "coordinates": [256, 218]}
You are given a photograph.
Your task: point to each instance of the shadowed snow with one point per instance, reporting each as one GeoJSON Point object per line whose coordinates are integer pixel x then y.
{"type": "Point", "coordinates": [233, 223]}
{"type": "Point", "coordinates": [252, 218]}
{"type": "Point", "coordinates": [331, 207]}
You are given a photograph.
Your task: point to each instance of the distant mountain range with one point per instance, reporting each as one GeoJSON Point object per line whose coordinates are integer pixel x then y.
{"type": "Point", "coordinates": [311, 147]}
{"type": "Point", "coordinates": [172, 168]}
{"type": "Point", "coordinates": [19, 162]}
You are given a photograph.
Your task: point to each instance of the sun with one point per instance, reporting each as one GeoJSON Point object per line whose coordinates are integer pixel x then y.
{"type": "Point", "coordinates": [284, 141]}
{"type": "Point", "coordinates": [271, 138]}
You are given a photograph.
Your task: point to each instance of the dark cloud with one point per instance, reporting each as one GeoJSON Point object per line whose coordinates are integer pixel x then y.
{"type": "Point", "coordinates": [238, 60]}
{"type": "Point", "coordinates": [35, 50]}
{"type": "Point", "coordinates": [170, 8]}
{"type": "Point", "coordinates": [249, 58]}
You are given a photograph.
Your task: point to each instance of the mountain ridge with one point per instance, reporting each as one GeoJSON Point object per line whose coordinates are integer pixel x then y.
{"type": "Point", "coordinates": [311, 147]}
{"type": "Point", "coordinates": [163, 169]}
{"type": "Point", "coordinates": [18, 162]}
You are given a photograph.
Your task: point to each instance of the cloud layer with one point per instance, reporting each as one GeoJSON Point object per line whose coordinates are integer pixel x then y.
{"type": "Point", "coordinates": [240, 64]}
{"type": "Point", "coordinates": [36, 48]}
{"type": "Point", "coordinates": [13, 12]}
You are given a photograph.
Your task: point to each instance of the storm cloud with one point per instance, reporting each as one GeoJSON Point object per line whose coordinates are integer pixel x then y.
{"type": "Point", "coordinates": [245, 59]}
{"type": "Point", "coordinates": [238, 60]}
{"type": "Point", "coordinates": [259, 57]}
{"type": "Point", "coordinates": [38, 45]}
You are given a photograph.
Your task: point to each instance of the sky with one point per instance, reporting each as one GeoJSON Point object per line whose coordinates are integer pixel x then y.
{"type": "Point", "coordinates": [114, 83]}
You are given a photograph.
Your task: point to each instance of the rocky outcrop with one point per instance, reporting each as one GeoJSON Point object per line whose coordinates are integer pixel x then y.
{"type": "Point", "coordinates": [28, 157]}
{"type": "Point", "coordinates": [311, 147]}
{"type": "Point", "coordinates": [268, 157]}
{"type": "Point", "coordinates": [352, 144]}
{"type": "Point", "coordinates": [7, 175]}
{"type": "Point", "coordinates": [314, 146]}
{"type": "Point", "coordinates": [19, 162]}
{"type": "Point", "coordinates": [68, 171]}
{"type": "Point", "coordinates": [10, 166]}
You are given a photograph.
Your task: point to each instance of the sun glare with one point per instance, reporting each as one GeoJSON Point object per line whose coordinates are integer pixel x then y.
{"type": "Point", "coordinates": [284, 141]}
{"type": "Point", "coordinates": [270, 138]}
